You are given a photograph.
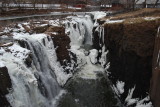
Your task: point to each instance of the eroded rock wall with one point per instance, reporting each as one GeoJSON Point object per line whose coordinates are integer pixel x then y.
{"type": "Point", "coordinates": [155, 85]}
{"type": "Point", "coordinates": [130, 48]}
{"type": "Point", "coordinates": [61, 42]}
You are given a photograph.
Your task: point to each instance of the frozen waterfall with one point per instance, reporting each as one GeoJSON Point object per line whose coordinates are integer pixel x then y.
{"type": "Point", "coordinates": [34, 86]}
{"type": "Point", "coordinates": [39, 85]}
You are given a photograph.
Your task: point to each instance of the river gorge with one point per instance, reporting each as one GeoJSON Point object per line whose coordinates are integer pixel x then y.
{"type": "Point", "coordinates": [80, 60]}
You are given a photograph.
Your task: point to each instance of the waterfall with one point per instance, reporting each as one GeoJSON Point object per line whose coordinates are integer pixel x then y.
{"type": "Point", "coordinates": [79, 30]}
{"type": "Point", "coordinates": [45, 71]}
{"type": "Point", "coordinates": [35, 86]}
{"type": "Point", "coordinates": [38, 85]}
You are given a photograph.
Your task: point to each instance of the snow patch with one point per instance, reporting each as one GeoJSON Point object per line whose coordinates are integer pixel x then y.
{"type": "Point", "coordinates": [1, 64]}
{"type": "Point", "coordinates": [129, 100]}
{"type": "Point", "coordinates": [2, 51]}
{"type": "Point", "coordinates": [89, 70]}
{"type": "Point", "coordinates": [142, 103]}
{"type": "Point", "coordinates": [23, 36]}
{"type": "Point", "coordinates": [151, 18]}
{"type": "Point", "coordinates": [103, 59]}
{"type": "Point", "coordinates": [98, 14]}
{"type": "Point", "coordinates": [139, 103]}
{"type": "Point", "coordinates": [93, 55]}
{"type": "Point", "coordinates": [19, 52]}
{"type": "Point", "coordinates": [113, 21]}
{"type": "Point", "coordinates": [119, 88]}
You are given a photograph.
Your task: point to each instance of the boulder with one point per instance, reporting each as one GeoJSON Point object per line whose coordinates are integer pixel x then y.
{"type": "Point", "coordinates": [57, 29]}
{"type": "Point", "coordinates": [40, 29]}
{"type": "Point", "coordinates": [27, 29]}
{"type": "Point", "coordinates": [61, 42]}
{"type": "Point", "coordinates": [5, 85]}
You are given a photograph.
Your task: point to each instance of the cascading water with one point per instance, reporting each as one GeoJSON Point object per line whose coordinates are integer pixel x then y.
{"type": "Point", "coordinates": [85, 88]}
{"type": "Point", "coordinates": [38, 85]}
{"type": "Point", "coordinates": [34, 86]}
{"type": "Point", "coordinates": [80, 30]}
{"type": "Point", "coordinates": [45, 72]}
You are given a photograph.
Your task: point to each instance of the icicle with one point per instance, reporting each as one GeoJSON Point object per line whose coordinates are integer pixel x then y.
{"type": "Point", "coordinates": [103, 34]}
{"type": "Point", "coordinates": [103, 59]}
{"type": "Point", "coordinates": [158, 32]}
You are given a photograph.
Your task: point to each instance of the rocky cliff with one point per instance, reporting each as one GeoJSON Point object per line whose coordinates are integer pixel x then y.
{"type": "Point", "coordinates": [155, 87]}
{"type": "Point", "coordinates": [130, 42]}
{"type": "Point", "coordinates": [61, 41]}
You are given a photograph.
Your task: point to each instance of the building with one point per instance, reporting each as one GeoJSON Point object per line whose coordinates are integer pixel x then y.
{"type": "Point", "coordinates": [147, 4]}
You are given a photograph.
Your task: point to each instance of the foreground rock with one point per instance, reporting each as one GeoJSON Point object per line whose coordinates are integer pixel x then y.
{"type": "Point", "coordinates": [5, 86]}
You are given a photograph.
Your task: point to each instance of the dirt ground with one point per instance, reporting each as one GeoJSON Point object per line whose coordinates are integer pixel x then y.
{"type": "Point", "coordinates": [146, 12]}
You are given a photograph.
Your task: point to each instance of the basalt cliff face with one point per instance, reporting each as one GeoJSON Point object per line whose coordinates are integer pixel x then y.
{"type": "Point", "coordinates": [131, 44]}
{"type": "Point", "coordinates": [155, 87]}
{"type": "Point", "coordinates": [61, 42]}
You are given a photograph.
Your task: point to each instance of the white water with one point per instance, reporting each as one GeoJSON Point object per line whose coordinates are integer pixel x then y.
{"type": "Point", "coordinates": [79, 30]}
{"type": "Point", "coordinates": [38, 85]}
{"type": "Point", "coordinates": [34, 86]}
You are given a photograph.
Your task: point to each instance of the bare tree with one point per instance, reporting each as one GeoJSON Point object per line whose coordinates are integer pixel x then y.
{"type": "Point", "coordinates": [5, 5]}
{"type": "Point", "coordinates": [34, 2]}
{"type": "Point", "coordinates": [156, 3]}
{"type": "Point", "coordinates": [42, 2]}
{"type": "Point", "coordinates": [133, 4]}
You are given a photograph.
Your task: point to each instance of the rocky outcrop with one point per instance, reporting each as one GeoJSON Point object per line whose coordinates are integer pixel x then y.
{"type": "Point", "coordinates": [40, 29]}
{"type": "Point", "coordinates": [155, 87]}
{"type": "Point", "coordinates": [61, 42]}
{"type": "Point", "coordinates": [60, 39]}
{"type": "Point", "coordinates": [130, 44]}
{"type": "Point", "coordinates": [5, 85]}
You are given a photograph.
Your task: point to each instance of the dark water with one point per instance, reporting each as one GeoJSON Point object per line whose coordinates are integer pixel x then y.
{"type": "Point", "coordinates": [89, 93]}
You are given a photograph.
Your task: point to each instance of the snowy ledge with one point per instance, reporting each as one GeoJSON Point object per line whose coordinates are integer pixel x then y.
{"type": "Point", "coordinates": [130, 20]}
